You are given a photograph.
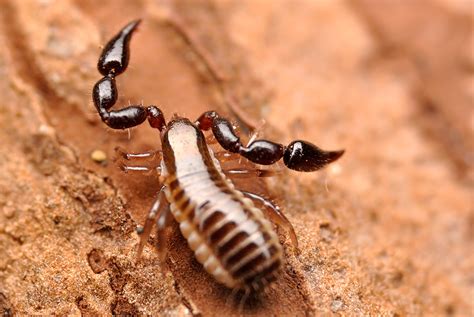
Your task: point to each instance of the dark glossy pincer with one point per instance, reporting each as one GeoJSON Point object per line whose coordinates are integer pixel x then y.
{"type": "Point", "coordinates": [263, 152]}
{"type": "Point", "coordinates": [104, 94]}
{"type": "Point", "coordinates": [303, 156]}
{"type": "Point", "coordinates": [225, 135]}
{"type": "Point", "coordinates": [116, 54]}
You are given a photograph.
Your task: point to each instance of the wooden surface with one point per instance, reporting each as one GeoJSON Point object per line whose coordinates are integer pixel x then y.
{"type": "Point", "coordinates": [387, 230]}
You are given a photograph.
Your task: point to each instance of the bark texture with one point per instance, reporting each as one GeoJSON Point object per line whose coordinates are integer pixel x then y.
{"type": "Point", "coordinates": [387, 230]}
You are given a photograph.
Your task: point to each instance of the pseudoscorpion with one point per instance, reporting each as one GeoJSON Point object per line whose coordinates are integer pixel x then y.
{"type": "Point", "coordinates": [230, 236]}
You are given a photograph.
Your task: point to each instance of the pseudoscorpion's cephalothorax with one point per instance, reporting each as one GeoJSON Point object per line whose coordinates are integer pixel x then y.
{"type": "Point", "coordinates": [229, 235]}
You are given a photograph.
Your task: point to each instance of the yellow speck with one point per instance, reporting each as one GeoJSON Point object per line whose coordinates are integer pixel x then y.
{"type": "Point", "coordinates": [98, 156]}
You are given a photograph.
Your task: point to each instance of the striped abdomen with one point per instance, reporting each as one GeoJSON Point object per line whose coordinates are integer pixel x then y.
{"type": "Point", "coordinates": [229, 235]}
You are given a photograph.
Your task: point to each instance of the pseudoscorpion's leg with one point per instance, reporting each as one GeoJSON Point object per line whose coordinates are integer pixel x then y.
{"type": "Point", "coordinates": [224, 156]}
{"type": "Point", "coordinates": [298, 155]}
{"type": "Point", "coordinates": [149, 155]}
{"type": "Point", "coordinates": [112, 62]}
{"type": "Point", "coordinates": [210, 139]}
{"type": "Point", "coordinates": [250, 172]}
{"type": "Point", "coordinates": [146, 169]}
{"type": "Point", "coordinates": [164, 220]}
{"type": "Point", "coordinates": [159, 207]}
{"type": "Point", "coordinates": [141, 169]}
{"type": "Point", "coordinates": [275, 214]}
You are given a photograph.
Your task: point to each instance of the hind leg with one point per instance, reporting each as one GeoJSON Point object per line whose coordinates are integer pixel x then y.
{"type": "Point", "coordinates": [275, 214]}
{"type": "Point", "coordinates": [159, 207]}
{"type": "Point", "coordinates": [164, 220]}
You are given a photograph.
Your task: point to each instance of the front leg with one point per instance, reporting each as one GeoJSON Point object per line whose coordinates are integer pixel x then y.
{"type": "Point", "coordinates": [298, 155]}
{"type": "Point", "coordinates": [112, 62]}
{"type": "Point", "coordinates": [151, 165]}
{"type": "Point", "coordinates": [149, 155]}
